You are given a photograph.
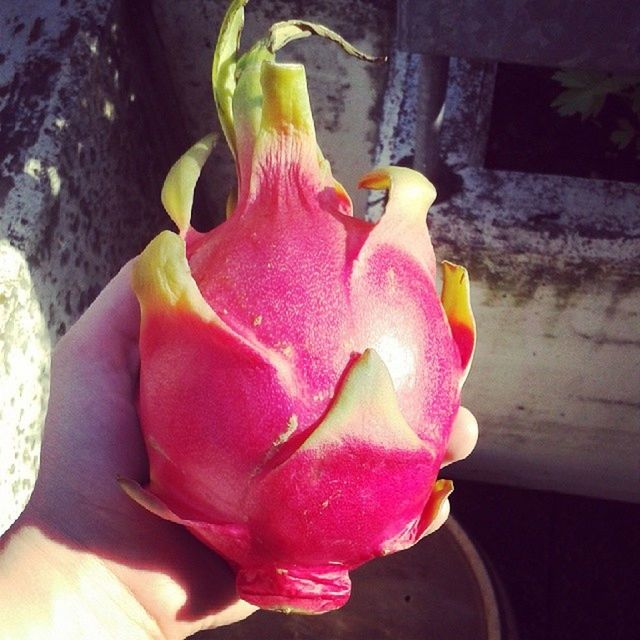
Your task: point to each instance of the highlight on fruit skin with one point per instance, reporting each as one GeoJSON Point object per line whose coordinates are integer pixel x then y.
{"type": "Point", "coordinates": [299, 371]}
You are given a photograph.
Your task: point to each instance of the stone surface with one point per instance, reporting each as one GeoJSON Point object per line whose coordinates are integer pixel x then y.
{"type": "Point", "coordinates": [574, 33]}
{"type": "Point", "coordinates": [83, 106]}
{"type": "Point", "coordinates": [345, 93]}
{"type": "Point", "coordinates": [24, 380]}
{"type": "Point", "coordinates": [555, 269]}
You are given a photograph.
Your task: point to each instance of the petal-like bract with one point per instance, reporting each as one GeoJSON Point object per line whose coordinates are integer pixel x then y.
{"type": "Point", "coordinates": [299, 371]}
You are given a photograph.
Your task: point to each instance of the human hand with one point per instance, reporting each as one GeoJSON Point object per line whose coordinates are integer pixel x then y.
{"type": "Point", "coordinates": [91, 437]}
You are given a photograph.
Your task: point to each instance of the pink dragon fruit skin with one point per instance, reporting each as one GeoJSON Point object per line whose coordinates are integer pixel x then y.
{"type": "Point", "coordinates": [299, 372]}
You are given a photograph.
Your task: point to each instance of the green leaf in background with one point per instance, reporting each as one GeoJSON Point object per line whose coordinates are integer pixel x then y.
{"type": "Point", "coordinates": [578, 79]}
{"type": "Point", "coordinates": [624, 135]}
{"type": "Point", "coordinates": [586, 91]}
{"type": "Point", "coordinates": [579, 101]}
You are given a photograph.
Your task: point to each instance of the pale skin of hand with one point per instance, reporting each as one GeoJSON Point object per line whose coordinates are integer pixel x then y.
{"type": "Point", "coordinates": [83, 560]}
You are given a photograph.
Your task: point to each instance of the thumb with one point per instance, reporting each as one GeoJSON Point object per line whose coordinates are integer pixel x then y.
{"type": "Point", "coordinates": [109, 329]}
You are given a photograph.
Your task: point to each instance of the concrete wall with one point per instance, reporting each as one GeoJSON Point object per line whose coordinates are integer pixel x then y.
{"type": "Point", "coordinates": [98, 98]}
{"type": "Point", "coordinates": [85, 147]}
{"type": "Point", "coordinates": [555, 269]}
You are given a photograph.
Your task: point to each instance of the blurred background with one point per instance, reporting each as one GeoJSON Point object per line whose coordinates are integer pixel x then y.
{"type": "Point", "coordinates": [526, 116]}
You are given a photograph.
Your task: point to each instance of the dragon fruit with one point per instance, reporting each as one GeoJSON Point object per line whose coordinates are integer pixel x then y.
{"type": "Point", "coordinates": [299, 372]}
